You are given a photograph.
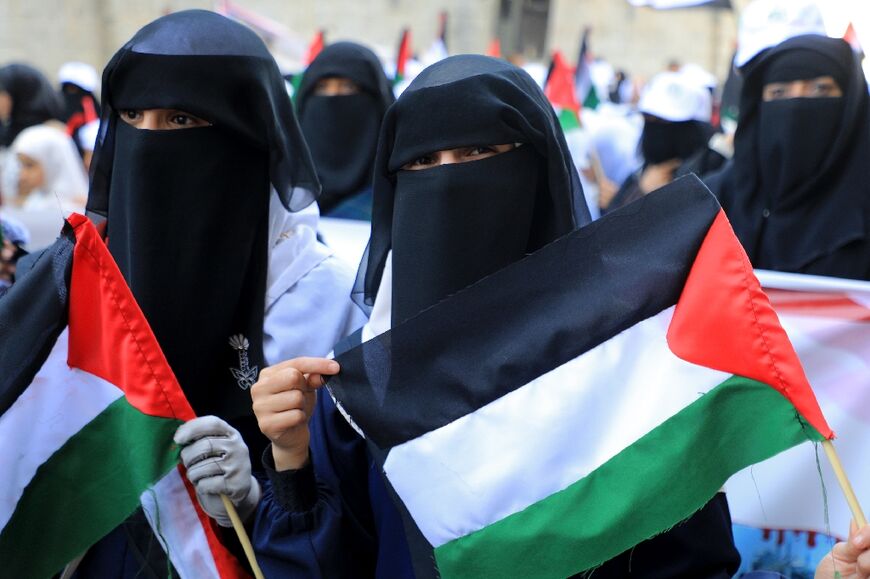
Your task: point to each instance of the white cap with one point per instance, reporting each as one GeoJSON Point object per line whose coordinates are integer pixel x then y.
{"type": "Point", "coordinates": [673, 96]}
{"type": "Point", "coordinates": [766, 23]}
{"type": "Point", "coordinates": [87, 135]}
{"type": "Point", "coordinates": [80, 74]}
{"type": "Point", "coordinates": [697, 74]}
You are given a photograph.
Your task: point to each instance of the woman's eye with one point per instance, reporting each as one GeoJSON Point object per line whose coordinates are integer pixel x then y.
{"type": "Point", "coordinates": [130, 115]}
{"type": "Point", "coordinates": [476, 151]}
{"type": "Point", "coordinates": [182, 120]}
{"type": "Point", "coordinates": [823, 89]}
{"type": "Point", "coordinates": [423, 161]}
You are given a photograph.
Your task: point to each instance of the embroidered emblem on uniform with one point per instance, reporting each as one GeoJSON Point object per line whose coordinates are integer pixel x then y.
{"type": "Point", "coordinates": [245, 375]}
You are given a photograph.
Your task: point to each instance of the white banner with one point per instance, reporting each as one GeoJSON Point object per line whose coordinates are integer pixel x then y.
{"type": "Point", "coordinates": [828, 321]}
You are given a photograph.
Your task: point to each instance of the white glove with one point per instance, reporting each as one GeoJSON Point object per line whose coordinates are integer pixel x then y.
{"type": "Point", "coordinates": [218, 462]}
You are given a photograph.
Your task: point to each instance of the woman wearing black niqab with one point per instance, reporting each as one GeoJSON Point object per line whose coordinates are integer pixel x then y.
{"type": "Point", "coordinates": [34, 100]}
{"type": "Point", "coordinates": [199, 222]}
{"type": "Point", "coordinates": [472, 174]}
{"type": "Point", "coordinates": [798, 190]}
{"type": "Point", "coordinates": [341, 124]}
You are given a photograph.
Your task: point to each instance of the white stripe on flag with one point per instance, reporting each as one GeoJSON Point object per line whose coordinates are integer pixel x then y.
{"type": "Point", "coordinates": [546, 435]}
{"type": "Point", "coordinates": [58, 403]}
{"type": "Point", "coordinates": [173, 517]}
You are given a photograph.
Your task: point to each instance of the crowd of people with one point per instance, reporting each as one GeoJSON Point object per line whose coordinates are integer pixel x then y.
{"type": "Point", "coordinates": [208, 182]}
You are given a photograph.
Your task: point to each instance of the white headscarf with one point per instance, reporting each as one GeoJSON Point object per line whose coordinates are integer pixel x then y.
{"type": "Point", "coordinates": [293, 247]}
{"type": "Point", "coordinates": [61, 165]}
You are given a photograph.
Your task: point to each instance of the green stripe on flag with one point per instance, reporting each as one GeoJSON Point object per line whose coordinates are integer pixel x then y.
{"type": "Point", "coordinates": [672, 471]}
{"type": "Point", "coordinates": [591, 100]}
{"type": "Point", "coordinates": [568, 120]}
{"type": "Point", "coordinates": [110, 463]}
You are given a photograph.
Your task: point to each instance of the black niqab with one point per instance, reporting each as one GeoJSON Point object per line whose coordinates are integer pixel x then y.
{"type": "Point", "coordinates": [796, 191]}
{"type": "Point", "coordinates": [449, 217]}
{"type": "Point", "coordinates": [662, 140]}
{"type": "Point", "coordinates": [34, 100]}
{"type": "Point", "coordinates": [342, 131]}
{"type": "Point", "coordinates": [187, 210]}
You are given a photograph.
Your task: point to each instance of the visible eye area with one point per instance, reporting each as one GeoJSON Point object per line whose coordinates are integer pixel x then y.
{"type": "Point", "coordinates": [823, 87]}
{"type": "Point", "coordinates": [161, 119]}
{"type": "Point", "coordinates": [335, 86]}
{"type": "Point", "coordinates": [423, 162]}
{"type": "Point", "coordinates": [819, 87]}
{"type": "Point", "coordinates": [474, 153]}
{"type": "Point", "coordinates": [458, 155]}
{"type": "Point", "coordinates": [182, 119]}
{"type": "Point", "coordinates": [775, 91]}
{"type": "Point", "coordinates": [130, 115]}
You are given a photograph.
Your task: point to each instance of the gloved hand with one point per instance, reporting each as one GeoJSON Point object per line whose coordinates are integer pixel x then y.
{"type": "Point", "coordinates": [218, 462]}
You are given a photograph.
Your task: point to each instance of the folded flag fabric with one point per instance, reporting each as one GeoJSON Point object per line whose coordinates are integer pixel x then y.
{"type": "Point", "coordinates": [584, 399]}
{"type": "Point", "coordinates": [88, 408]}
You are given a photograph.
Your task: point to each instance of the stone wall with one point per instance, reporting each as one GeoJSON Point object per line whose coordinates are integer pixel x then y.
{"type": "Point", "coordinates": [49, 32]}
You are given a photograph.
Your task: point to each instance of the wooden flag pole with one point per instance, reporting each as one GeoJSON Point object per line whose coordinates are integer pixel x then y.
{"type": "Point", "coordinates": [243, 536]}
{"type": "Point", "coordinates": [834, 459]}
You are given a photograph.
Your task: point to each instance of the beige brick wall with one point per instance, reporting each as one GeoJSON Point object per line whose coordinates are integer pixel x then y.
{"type": "Point", "coordinates": [49, 32]}
{"type": "Point", "coordinates": [642, 40]}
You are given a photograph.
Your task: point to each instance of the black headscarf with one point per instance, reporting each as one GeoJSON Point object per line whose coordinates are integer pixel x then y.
{"type": "Point", "coordinates": [798, 190]}
{"type": "Point", "coordinates": [342, 131]}
{"type": "Point", "coordinates": [187, 209]}
{"type": "Point", "coordinates": [450, 226]}
{"type": "Point", "coordinates": [34, 100]}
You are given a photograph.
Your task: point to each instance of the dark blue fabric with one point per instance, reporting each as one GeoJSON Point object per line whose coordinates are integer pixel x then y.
{"type": "Point", "coordinates": [357, 207]}
{"type": "Point", "coordinates": [352, 530]}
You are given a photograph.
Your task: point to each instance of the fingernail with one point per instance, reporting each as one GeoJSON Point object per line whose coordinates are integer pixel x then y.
{"type": "Point", "coordinates": [333, 366]}
{"type": "Point", "coordinates": [858, 540]}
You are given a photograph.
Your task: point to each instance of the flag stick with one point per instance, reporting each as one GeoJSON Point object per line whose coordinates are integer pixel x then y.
{"type": "Point", "coordinates": [243, 536]}
{"type": "Point", "coordinates": [857, 513]}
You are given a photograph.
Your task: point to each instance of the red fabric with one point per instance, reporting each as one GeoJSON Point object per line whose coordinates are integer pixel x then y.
{"type": "Point", "coordinates": [404, 53]}
{"type": "Point", "coordinates": [560, 85]}
{"type": "Point", "coordinates": [227, 565]}
{"type": "Point", "coordinates": [494, 48]}
{"type": "Point", "coordinates": [818, 304]}
{"type": "Point", "coordinates": [314, 48]}
{"type": "Point", "coordinates": [852, 38]}
{"type": "Point", "coordinates": [723, 320]}
{"type": "Point", "coordinates": [108, 334]}
{"type": "Point", "coordinates": [79, 119]}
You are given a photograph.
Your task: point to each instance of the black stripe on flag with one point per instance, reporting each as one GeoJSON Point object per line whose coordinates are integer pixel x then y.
{"type": "Point", "coordinates": [33, 313]}
{"type": "Point", "coordinates": [527, 319]}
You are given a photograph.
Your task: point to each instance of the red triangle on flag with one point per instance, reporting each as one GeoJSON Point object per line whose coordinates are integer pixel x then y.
{"type": "Point", "coordinates": [560, 84]}
{"type": "Point", "coordinates": [315, 47]}
{"type": "Point", "coordinates": [723, 320]}
{"type": "Point", "coordinates": [851, 37]}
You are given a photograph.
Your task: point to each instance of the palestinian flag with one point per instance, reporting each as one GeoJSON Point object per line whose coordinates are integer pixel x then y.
{"type": "Point", "coordinates": [88, 408]}
{"type": "Point", "coordinates": [851, 37]}
{"type": "Point", "coordinates": [584, 87]}
{"type": "Point", "coordinates": [315, 47]}
{"type": "Point", "coordinates": [584, 399]}
{"type": "Point", "coordinates": [559, 90]}
{"type": "Point", "coordinates": [402, 56]}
